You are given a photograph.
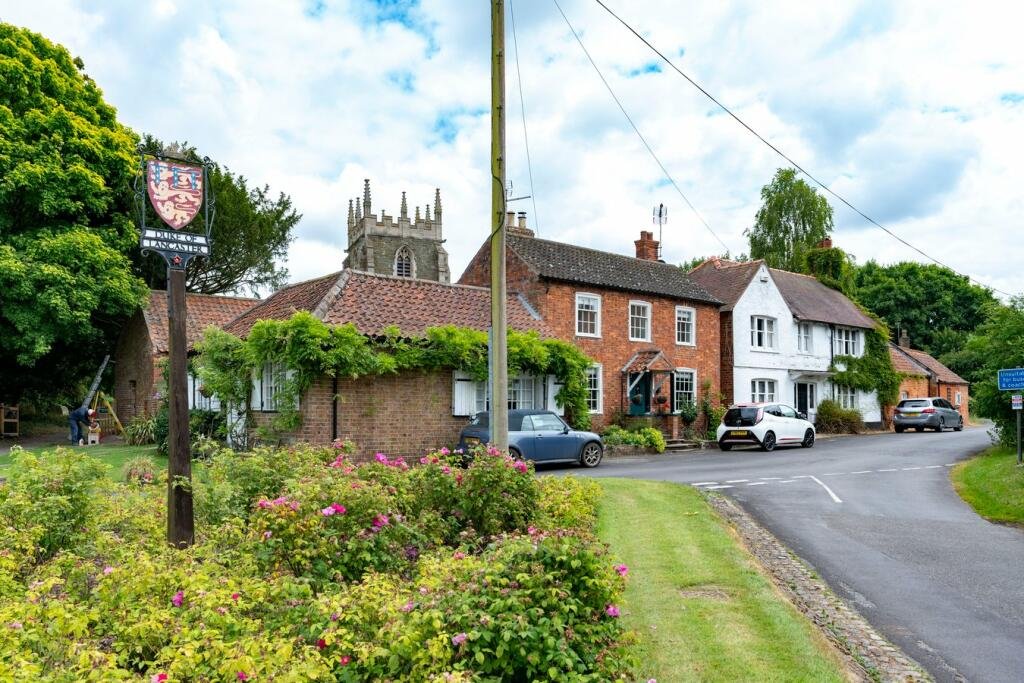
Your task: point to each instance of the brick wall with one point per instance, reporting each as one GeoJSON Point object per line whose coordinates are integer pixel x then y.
{"type": "Point", "coordinates": [135, 363]}
{"type": "Point", "coordinates": [727, 358]}
{"type": "Point", "coordinates": [914, 387]}
{"type": "Point", "coordinates": [404, 414]}
{"type": "Point", "coordinates": [949, 391]}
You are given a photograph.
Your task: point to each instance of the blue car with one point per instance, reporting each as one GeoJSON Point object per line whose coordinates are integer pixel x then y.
{"type": "Point", "coordinates": [538, 435]}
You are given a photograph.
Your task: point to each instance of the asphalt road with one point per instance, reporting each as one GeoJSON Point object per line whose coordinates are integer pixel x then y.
{"type": "Point", "coordinates": [879, 520]}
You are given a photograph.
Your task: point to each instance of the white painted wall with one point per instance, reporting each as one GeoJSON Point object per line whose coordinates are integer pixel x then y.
{"type": "Point", "coordinates": [762, 298]}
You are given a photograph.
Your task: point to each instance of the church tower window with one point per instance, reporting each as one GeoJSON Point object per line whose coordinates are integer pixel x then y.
{"type": "Point", "coordinates": [404, 265]}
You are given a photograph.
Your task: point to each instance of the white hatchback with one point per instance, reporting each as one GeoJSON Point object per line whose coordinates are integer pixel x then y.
{"type": "Point", "coordinates": [766, 425]}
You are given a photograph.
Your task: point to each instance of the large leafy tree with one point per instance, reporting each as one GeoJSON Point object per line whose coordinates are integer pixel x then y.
{"type": "Point", "coordinates": [66, 167]}
{"type": "Point", "coordinates": [937, 307]}
{"type": "Point", "coordinates": [793, 219]}
{"type": "Point", "coordinates": [251, 233]}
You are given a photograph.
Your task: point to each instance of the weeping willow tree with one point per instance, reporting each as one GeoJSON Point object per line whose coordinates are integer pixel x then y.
{"type": "Point", "coordinates": [792, 220]}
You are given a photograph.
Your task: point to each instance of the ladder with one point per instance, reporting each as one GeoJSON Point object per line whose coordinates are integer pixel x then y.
{"type": "Point", "coordinates": [94, 396]}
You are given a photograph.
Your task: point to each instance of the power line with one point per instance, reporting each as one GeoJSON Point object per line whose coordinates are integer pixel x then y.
{"type": "Point", "coordinates": [637, 130]}
{"type": "Point", "coordinates": [783, 154]}
{"type": "Point", "coordinates": [522, 107]}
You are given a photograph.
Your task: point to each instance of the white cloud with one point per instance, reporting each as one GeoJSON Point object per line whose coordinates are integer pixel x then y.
{"type": "Point", "coordinates": [897, 106]}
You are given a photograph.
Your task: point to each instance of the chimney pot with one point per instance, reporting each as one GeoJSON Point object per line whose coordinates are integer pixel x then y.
{"type": "Point", "coordinates": [904, 339]}
{"type": "Point", "coordinates": [510, 219]}
{"type": "Point", "coordinates": [522, 220]}
{"type": "Point", "coordinates": [825, 243]}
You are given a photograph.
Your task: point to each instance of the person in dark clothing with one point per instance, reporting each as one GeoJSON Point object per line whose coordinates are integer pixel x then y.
{"type": "Point", "coordinates": [75, 418]}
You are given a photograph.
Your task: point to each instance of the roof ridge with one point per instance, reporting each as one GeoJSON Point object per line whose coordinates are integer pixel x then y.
{"type": "Point", "coordinates": [417, 280]}
{"type": "Point", "coordinates": [598, 251]}
{"type": "Point", "coordinates": [211, 296]}
{"type": "Point", "coordinates": [790, 272]}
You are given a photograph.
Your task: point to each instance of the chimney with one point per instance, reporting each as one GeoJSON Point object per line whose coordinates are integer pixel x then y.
{"type": "Point", "coordinates": [825, 243]}
{"type": "Point", "coordinates": [904, 339]}
{"type": "Point", "coordinates": [646, 246]}
{"type": "Point", "coordinates": [518, 229]}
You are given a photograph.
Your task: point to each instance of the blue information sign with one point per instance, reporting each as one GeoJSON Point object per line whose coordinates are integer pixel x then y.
{"type": "Point", "coordinates": [1011, 379]}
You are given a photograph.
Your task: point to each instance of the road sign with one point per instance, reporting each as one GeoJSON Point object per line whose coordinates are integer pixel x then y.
{"type": "Point", "coordinates": [1018, 401]}
{"type": "Point", "coordinates": [1010, 379]}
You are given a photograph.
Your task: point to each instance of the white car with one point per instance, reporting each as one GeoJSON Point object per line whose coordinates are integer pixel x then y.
{"type": "Point", "coordinates": [766, 425]}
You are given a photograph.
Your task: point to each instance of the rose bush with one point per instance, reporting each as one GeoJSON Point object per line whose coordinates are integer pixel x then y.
{"type": "Point", "coordinates": [308, 567]}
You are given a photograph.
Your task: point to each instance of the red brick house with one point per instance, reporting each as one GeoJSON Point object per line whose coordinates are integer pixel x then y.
{"type": "Point", "coordinates": [924, 376]}
{"type": "Point", "coordinates": [653, 332]}
{"type": "Point", "coordinates": [143, 344]}
{"type": "Point", "coordinates": [402, 414]}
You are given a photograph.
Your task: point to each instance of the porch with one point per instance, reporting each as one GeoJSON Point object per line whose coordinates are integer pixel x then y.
{"type": "Point", "coordinates": [658, 393]}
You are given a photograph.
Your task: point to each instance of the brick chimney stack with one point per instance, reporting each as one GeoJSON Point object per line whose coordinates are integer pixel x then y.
{"type": "Point", "coordinates": [825, 243]}
{"type": "Point", "coordinates": [646, 246]}
{"type": "Point", "coordinates": [514, 228]}
{"type": "Point", "coordinates": [904, 339]}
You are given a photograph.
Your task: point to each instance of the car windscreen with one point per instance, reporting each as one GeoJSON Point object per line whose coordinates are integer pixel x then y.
{"type": "Point", "coordinates": [483, 420]}
{"type": "Point", "coordinates": [738, 417]}
{"type": "Point", "coordinates": [914, 404]}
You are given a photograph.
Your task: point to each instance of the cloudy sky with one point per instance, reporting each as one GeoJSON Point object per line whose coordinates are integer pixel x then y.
{"type": "Point", "coordinates": [912, 110]}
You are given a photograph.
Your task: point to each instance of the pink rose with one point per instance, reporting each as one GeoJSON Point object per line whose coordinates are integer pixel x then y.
{"type": "Point", "coordinates": [327, 511]}
{"type": "Point", "coordinates": [178, 598]}
{"type": "Point", "coordinates": [459, 639]}
{"type": "Point", "coordinates": [622, 569]}
{"type": "Point", "coordinates": [158, 678]}
{"type": "Point", "coordinates": [345, 659]}
{"type": "Point", "coordinates": [611, 610]}
{"type": "Point", "coordinates": [235, 596]}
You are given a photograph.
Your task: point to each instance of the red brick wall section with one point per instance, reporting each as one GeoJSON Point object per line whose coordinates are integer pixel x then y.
{"type": "Point", "coordinates": [405, 414]}
{"type": "Point", "coordinates": [134, 362]}
{"type": "Point", "coordinates": [915, 387]}
{"type": "Point", "coordinates": [728, 391]}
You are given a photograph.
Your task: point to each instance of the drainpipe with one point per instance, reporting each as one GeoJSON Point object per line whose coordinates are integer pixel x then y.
{"type": "Point", "coordinates": [831, 351]}
{"type": "Point", "coordinates": [334, 408]}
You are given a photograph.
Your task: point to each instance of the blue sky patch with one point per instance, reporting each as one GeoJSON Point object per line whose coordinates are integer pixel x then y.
{"type": "Point", "coordinates": [446, 125]}
{"type": "Point", "coordinates": [1012, 97]}
{"type": "Point", "coordinates": [315, 8]}
{"type": "Point", "coordinates": [648, 68]}
{"type": "Point", "coordinates": [405, 80]}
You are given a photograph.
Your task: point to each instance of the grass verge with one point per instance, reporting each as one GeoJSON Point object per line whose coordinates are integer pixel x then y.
{"type": "Point", "coordinates": [700, 606]}
{"type": "Point", "coordinates": [115, 455]}
{"type": "Point", "coordinates": [993, 485]}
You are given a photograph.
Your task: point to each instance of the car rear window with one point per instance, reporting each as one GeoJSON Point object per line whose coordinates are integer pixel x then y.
{"type": "Point", "coordinates": [736, 417]}
{"type": "Point", "coordinates": [923, 403]}
{"type": "Point", "coordinates": [515, 422]}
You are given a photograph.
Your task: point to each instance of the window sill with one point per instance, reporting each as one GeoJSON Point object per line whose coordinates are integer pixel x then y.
{"type": "Point", "coordinates": [690, 344]}
{"type": "Point", "coordinates": [635, 339]}
{"type": "Point", "coordinates": [588, 336]}
{"type": "Point", "coordinates": [756, 349]}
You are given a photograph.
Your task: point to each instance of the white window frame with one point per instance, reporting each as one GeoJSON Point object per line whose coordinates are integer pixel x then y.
{"type": "Point", "coordinates": [676, 402]}
{"type": "Point", "coordinates": [597, 314]}
{"type": "Point", "coordinates": [264, 385]}
{"type": "Point", "coordinates": [761, 390]}
{"type": "Point", "coordinates": [646, 318]}
{"type": "Point", "coordinates": [692, 324]}
{"type": "Point", "coordinates": [845, 396]}
{"type": "Point", "coordinates": [846, 341]}
{"type": "Point", "coordinates": [595, 370]}
{"type": "Point", "coordinates": [959, 399]}
{"type": "Point", "coordinates": [768, 333]}
{"type": "Point", "coordinates": [805, 337]}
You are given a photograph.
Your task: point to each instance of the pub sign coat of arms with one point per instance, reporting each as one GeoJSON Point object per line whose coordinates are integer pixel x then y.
{"type": "Point", "coordinates": [176, 191]}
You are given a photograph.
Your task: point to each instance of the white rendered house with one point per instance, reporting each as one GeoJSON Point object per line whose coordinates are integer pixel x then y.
{"type": "Point", "coordinates": [780, 334]}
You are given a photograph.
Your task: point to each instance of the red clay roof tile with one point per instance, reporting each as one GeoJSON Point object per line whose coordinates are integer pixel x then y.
{"type": "Point", "coordinates": [201, 311]}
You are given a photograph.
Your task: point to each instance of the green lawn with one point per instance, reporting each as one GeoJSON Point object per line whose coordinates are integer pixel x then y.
{"type": "Point", "coordinates": [993, 485]}
{"type": "Point", "coordinates": [701, 607]}
{"type": "Point", "coordinates": [114, 455]}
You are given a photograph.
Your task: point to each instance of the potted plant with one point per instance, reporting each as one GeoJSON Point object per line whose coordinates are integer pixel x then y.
{"type": "Point", "coordinates": [661, 401]}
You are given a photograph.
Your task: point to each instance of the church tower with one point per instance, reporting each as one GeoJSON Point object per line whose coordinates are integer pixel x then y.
{"type": "Point", "coordinates": [404, 247]}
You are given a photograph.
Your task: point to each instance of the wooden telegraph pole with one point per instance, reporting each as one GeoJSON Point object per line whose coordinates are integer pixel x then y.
{"type": "Point", "coordinates": [180, 522]}
{"type": "Point", "coordinates": [499, 299]}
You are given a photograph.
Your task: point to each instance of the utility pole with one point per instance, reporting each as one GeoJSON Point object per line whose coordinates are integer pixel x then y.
{"type": "Point", "coordinates": [499, 317]}
{"type": "Point", "coordinates": [180, 524]}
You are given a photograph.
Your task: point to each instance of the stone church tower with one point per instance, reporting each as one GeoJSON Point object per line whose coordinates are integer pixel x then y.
{"type": "Point", "coordinates": [404, 247]}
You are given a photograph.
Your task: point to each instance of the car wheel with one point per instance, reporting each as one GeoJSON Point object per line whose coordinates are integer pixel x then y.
{"type": "Point", "coordinates": [808, 441]}
{"type": "Point", "coordinates": [899, 430]}
{"type": "Point", "coordinates": [960, 426]}
{"type": "Point", "coordinates": [591, 455]}
{"type": "Point", "coordinates": [725, 446]}
{"type": "Point", "coordinates": [768, 443]}
{"type": "Point", "coordinates": [942, 425]}
{"type": "Point", "coordinates": [514, 452]}
{"type": "Point", "coordinates": [918, 429]}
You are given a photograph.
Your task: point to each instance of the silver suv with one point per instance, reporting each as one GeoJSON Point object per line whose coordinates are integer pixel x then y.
{"type": "Point", "coordinates": [934, 413]}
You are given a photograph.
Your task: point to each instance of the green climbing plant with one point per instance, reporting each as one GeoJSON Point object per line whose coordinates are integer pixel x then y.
{"type": "Point", "coordinates": [872, 371]}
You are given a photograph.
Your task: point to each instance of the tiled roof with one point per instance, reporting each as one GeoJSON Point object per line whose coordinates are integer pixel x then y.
{"type": "Point", "coordinates": [302, 296]}
{"type": "Point", "coordinates": [570, 263]}
{"type": "Point", "coordinates": [373, 302]}
{"type": "Point", "coordinates": [808, 299]}
{"type": "Point", "coordinates": [725, 280]}
{"type": "Point", "coordinates": [905, 363]}
{"type": "Point", "coordinates": [941, 372]}
{"type": "Point", "coordinates": [642, 361]}
{"type": "Point", "coordinates": [201, 311]}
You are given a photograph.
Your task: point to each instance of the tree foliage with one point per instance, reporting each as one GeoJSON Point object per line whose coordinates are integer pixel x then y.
{"type": "Point", "coordinates": [924, 300]}
{"type": "Point", "coordinates": [251, 233]}
{"type": "Point", "coordinates": [66, 167]}
{"type": "Point", "coordinates": [792, 219]}
{"type": "Point", "coordinates": [697, 260]}
{"type": "Point", "coordinates": [832, 266]}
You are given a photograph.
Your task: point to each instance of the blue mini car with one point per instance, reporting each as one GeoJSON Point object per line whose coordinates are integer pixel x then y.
{"type": "Point", "coordinates": [538, 435]}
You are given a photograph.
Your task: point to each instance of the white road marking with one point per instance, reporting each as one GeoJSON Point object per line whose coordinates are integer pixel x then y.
{"type": "Point", "coordinates": [933, 467]}
{"type": "Point", "coordinates": [862, 472]}
{"type": "Point", "coordinates": [704, 483]}
{"type": "Point", "coordinates": [770, 478]}
{"type": "Point", "coordinates": [832, 474]}
{"type": "Point", "coordinates": [827, 489]}
{"type": "Point", "coordinates": [906, 469]}
{"type": "Point", "coordinates": [787, 481]}
{"type": "Point", "coordinates": [711, 488]}
{"type": "Point", "coordinates": [950, 464]}
{"type": "Point", "coordinates": [892, 470]}
{"type": "Point", "coordinates": [757, 483]}
{"type": "Point", "coordinates": [736, 481]}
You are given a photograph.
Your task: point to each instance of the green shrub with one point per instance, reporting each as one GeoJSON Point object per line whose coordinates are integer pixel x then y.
{"type": "Point", "coordinates": [140, 431]}
{"type": "Point", "coordinates": [141, 471]}
{"type": "Point", "coordinates": [497, 493]}
{"type": "Point", "coordinates": [201, 423]}
{"type": "Point", "coordinates": [643, 437]}
{"type": "Point", "coordinates": [834, 419]}
{"type": "Point", "coordinates": [568, 503]}
{"type": "Point", "coordinates": [688, 412]}
{"type": "Point", "coordinates": [161, 429]}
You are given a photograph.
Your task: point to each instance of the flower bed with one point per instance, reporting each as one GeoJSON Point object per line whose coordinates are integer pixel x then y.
{"type": "Point", "coordinates": [307, 567]}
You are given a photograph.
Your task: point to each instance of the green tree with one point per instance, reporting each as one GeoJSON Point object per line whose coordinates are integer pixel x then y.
{"type": "Point", "coordinates": [66, 167]}
{"type": "Point", "coordinates": [251, 233]}
{"type": "Point", "coordinates": [928, 301]}
{"type": "Point", "coordinates": [793, 218]}
{"type": "Point", "coordinates": [697, 260]}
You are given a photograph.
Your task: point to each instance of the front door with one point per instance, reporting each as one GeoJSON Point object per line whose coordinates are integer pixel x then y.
{"type": "Point", "coordinates": [806, 399]}
{"type": "Point", "coordinates": [639, 393]}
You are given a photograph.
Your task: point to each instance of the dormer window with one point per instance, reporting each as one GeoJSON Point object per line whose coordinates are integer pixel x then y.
{"type": "Point", "coordinates": [404, 263]}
